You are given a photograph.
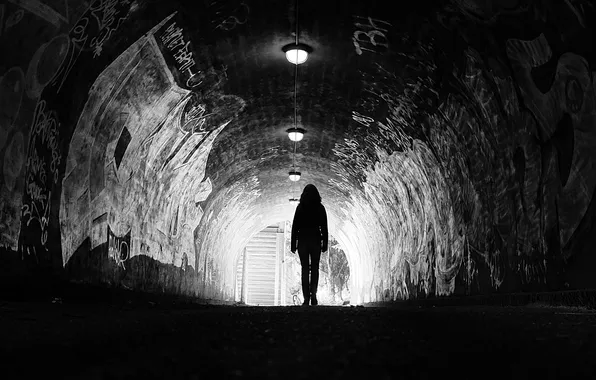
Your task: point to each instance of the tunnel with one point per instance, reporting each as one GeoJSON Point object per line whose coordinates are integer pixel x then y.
{"type": "Point", "coordinates": [144, 143]}
{"type": "Point", "coordinates": [153, 154]}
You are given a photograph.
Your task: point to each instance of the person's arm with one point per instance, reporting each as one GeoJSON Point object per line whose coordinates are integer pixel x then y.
{"type": "Point", "coordinates": [294, 237]}
{"type": "Point", "coordinates": [324, 231]}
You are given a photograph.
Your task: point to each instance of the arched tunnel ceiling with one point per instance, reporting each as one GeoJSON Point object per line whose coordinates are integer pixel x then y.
{"type": "Point", "coordinates": [331, 85]}
{"type": "Point", "coordinates": [434, 130]}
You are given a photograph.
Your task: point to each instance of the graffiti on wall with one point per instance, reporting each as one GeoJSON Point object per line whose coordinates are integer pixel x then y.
{"type": "Point", "coordinates": [42, 171]}
{"type": "Point", "coordinates": [506, 154]}
{"type": "Point", "coordinates": [178, 52]}
{"type": "Point", "coordinates": [541, 187]}
{"type": "Point", "coordinates": [13, 125]}
{"type": "Point", "coordinates": [194, 116]}
{"type": "Point", "coordinates": [489, 13]}
{"type": "Point", "coordinates": [532, 153]}
{"type": "Point", "coordinates": [202, 114]}
{"type": "Point", "coordinates": [150, 160]}
{"type": "Point", "coordinates": [45, 64]}
{"type": "Point", "coordinates": [91, 33]}
{"type": "Point", "coordinates": [12, 86]}
{"type": "Point", "coordinates": [566, 114]}
{"type": "Point", "coordinates": [30, 145]}
{"type": "Point", "coordinates": [228, 15]}
{"type": "Point", "coordinates": [95, 28]}
{"type": "Point", "coordinates": [56, 17]}
{"type": "Point", "coordinates": [118, 247]}
{"type": "Point", "coordinates": [370, 35]}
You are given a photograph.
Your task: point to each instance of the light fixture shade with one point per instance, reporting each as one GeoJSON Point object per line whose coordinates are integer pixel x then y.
{"type": "Point", "coordinates": [294, 201]}
{"type": "Point", "coordinates": [297, 53]}
{"type": "Point", "coordinates": [296, 134]}
{"type": "Point", "coordinates": [294, 175]}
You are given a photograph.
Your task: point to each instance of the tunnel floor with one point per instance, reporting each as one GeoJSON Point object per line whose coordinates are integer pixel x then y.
{"type": "Point", "coordinates": [145, 339]}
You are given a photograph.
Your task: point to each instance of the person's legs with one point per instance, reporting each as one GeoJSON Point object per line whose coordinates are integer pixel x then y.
{"type": "Point", "coordinates": [315, 257]}
{"type": "Point", "coordinates": [303, 254]}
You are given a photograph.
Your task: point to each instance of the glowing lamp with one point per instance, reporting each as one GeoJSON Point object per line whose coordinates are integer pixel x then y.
{"type": "Point", "coordinates": [296, 53]}
{"type": "Point", "coordinates": [294, 201]}
{"type": "Point", "coordinates": [294, 175]}
{"type": "Point", "coordinates": [296, 134]}
{"type": "Point", "coordinates": [296, 56]}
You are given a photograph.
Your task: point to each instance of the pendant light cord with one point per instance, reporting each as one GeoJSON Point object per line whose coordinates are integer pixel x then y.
{"type": "Point", "coordinates": [295, 85]}
{"type": "Point", "coordinates": [296, 19]}
{"type": "Point", "coordinates": [295, 111]}
{"type": "Point", "coordinates": [295, 92]}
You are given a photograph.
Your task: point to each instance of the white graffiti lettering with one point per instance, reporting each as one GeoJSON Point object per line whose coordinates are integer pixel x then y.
{"type": "Point", "coordinates": [118, 249]}
{"type": "Point", "coordinates": [46, 129]}
{"type": "Point", "coordinates": [172, 37]}
{"type": "Point", "coordinates": [195, 117]}
{"type": "Point", "coordinates": [231, 22]}
{"type": "Point", "coordinates": [106, 22]}
{"type": "Point", "coordinates": [195, 112]}
{"type": "Point", "coordinates": [44, 139]}
{"type": "Point", "coordinates": [104, 12]}
{"type": "Point", "coordinates": [41, 215]}
{"type": "Point", "coordinates": [184, 57]}
{"type": "Point", "coordinates": [191, 82]}
{"type": "Point", "coordinates": [173, 40]}
{"type": "Point", "coordinates": [36, 166]}
{"type": "Point", "coordinates": [36, 193]}
{"type": "Point", "coordinates": [371, 36]}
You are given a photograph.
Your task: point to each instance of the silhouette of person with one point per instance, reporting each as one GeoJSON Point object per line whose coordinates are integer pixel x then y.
{"type": "Point", "coordinates": [310, 236]}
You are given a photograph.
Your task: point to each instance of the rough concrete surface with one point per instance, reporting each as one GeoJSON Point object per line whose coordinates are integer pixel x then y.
{"type": "Point", "coordinates": [124, 338]}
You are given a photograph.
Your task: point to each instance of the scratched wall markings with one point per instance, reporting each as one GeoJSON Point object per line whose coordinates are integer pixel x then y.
{"type": "Point", "coordinates": [370, 35]}
{"type": "Point", "coordinates": [42, 170]}
{"type": "Point", "coordinates": [181, 50]}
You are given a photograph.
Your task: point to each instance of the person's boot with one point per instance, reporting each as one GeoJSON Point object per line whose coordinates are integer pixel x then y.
{"type": "Point", "coordinates": [306, 294]}
{"type": "Point", "coordinates": [313, 299]}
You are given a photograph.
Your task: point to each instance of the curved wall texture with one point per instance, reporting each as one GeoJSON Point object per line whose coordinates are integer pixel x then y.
{"type": "Point", "coordinates": [143, 142]}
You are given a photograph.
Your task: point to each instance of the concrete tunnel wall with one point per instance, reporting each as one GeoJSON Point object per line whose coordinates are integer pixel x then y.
{"type": "Point", "coordinates": [143, 142]}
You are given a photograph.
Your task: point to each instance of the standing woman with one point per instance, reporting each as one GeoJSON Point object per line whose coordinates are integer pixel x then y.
{"type": "Point", "coordinates": [310, 236]}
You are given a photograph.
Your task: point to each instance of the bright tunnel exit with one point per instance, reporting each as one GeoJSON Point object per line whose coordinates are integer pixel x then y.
{"type": "Point", "coordinates": [268, 273]}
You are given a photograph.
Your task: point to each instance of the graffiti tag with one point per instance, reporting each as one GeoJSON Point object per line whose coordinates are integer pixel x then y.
{"type": "Point", "coordinates": [108, 18]}
{"type": "Point", "coordinates": [180, 49]}
{"type": "Point", "coordinates": [42, 174]}
{"type": "Point", "coordinates": [118, 247]}
{"type": "Point", "coordinates": [231, 22]}
{"type": "Point", "coordinates": [370, 36]}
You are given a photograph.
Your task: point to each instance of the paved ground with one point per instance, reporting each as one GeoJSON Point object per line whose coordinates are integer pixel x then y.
{"type": "Point", "coordinates": [149, 340]}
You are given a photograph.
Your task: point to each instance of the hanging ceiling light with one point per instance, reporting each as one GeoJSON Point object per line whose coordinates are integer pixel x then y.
{"type": "Point", "coordinates": [294, 201]}
{"type": "Point", "coordinates": [294, 175]}
{"type": "Point", "coordinates": [297, 53]}
{"type": "Point", "coordinates": [296, 134]}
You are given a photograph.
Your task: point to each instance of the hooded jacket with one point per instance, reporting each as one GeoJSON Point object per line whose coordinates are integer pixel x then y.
{"type": "Point", "coordinates": [310, 222]}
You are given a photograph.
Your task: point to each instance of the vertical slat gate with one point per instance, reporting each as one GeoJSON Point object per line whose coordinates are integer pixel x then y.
{"type": "Point", "coordinates": [261, 268]}
{"type": "Point", "coordinates": [259, 272]}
